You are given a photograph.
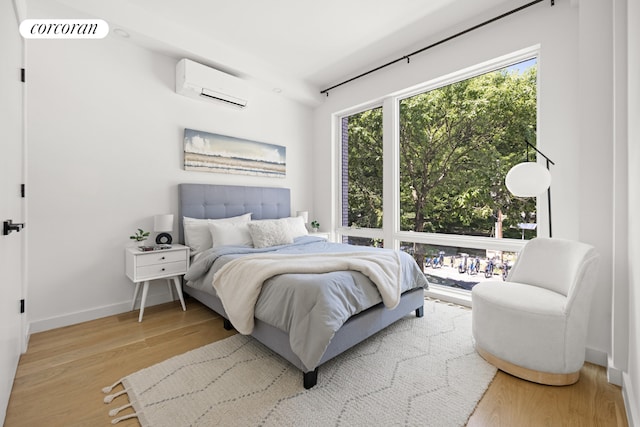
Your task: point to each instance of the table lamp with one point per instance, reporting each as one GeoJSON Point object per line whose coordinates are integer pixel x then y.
{"type": "Point", "coordinates": [163, 224]}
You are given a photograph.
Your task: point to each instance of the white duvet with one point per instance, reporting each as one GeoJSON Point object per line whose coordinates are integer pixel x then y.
{"type": "Point", "coordinates": [239, 282]}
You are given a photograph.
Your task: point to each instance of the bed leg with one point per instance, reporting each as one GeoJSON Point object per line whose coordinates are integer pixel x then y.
{"type": "Point", "coordinates": [310, 378]}
{"type": "Point", "coordinates": [227, 325]}
{"type": "Point", "coordinates": [420, 311]}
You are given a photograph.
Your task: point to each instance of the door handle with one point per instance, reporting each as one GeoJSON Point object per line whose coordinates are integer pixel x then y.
{"type": "Point", "coordinates": [9, 226]}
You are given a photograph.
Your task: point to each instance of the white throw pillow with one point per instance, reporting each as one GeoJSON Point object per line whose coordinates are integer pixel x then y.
{"type": "Point", "coordinates": [296, 226]}
{"type": "Point", "coordinates": [197, 235]}
{"type": "Point", "coordinates": [230, 233]}
{"type": "Point", "coordinates": [269, 232]}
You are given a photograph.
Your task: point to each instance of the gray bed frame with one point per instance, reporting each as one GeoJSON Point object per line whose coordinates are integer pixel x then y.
{"type": "Point", "coordinates": [208, 201]}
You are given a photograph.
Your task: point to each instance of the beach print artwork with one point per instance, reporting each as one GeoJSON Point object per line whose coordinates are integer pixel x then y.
{"type": "Point", "coordinates": [209, 152]}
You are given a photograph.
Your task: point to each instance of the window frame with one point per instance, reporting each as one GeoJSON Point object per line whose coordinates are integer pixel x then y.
{"type": "Point", "coordinates": [390, 233]}
{"type": "Point", "coordinates": [340, 230]}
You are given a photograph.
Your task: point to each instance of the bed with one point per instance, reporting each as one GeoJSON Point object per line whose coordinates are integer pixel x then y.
{"type": "Point", "coordinates": [199, 202]}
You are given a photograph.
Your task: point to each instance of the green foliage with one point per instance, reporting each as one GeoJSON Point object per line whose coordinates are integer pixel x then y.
{"type": "Point", "coordinates": [365, 169]}
{"type": "Point", "coordinates": [315, 224]}
{"type": "Point", "coordinates": [457, 143]}
{"type": "Point", "coordinates": [140, 235]}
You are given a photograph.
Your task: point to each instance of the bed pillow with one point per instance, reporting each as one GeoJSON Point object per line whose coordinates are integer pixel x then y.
{"type": "Point", "coordinates": [296, 225]}
{"type": "Point", "coordinates": [230, 233]}
{"type": "Point", "coordinates": [269, 232]}
{"type": "Point", "coordinates": [197, 235]}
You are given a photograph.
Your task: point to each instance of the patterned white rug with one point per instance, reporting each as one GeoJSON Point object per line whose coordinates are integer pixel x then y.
{"type": "Point", "coordinates": [417, 372]}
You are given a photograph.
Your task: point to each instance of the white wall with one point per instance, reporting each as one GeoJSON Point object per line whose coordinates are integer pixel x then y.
{"type": "Point", "coordinates": [631, 386]}
{"type": "Point", "coordinates": [595, 155]}
{"type": "Point", "coordinates": [574, 128]}
{"type": "Point", "coordinates": [105, 130]}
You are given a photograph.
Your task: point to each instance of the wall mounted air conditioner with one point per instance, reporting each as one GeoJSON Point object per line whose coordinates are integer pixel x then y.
{"type": "Point", "coordinates": [199, 81]}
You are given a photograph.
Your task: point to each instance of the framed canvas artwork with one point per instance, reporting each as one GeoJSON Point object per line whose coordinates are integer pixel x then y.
{"type": "Point", "coordinates": [210, 152]}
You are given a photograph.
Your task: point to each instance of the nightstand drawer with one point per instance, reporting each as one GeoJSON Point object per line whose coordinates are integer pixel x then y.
{"type": "Point", "coordinates": [159, 257]}
{"type": "Point", "coordinates": [160, 270]}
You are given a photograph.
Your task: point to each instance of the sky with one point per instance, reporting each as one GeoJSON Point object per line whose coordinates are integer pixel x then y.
{"type": "Point", "coordinates": [521, 66]}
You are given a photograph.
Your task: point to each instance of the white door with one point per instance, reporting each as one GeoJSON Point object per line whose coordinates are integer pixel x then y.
{"type": "Point", "coordinates": [11, 205]}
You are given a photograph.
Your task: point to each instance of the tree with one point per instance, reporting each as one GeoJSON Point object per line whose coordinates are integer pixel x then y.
{"type": "Point", "coordinates": [457, 143]}
{"type": "Point", "coordinates": [365, 169]}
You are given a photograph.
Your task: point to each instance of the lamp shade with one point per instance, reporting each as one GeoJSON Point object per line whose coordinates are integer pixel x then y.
{"type": "Point", "coordinates": [163, 223]}
{"type": "Point", "coordinates": [528, 179]}
{"type": "Point", "coordinates": [303, 214]}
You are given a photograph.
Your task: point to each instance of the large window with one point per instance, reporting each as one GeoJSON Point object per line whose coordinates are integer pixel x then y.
{"type": "Point", "coordinates": [461, 267]}
{"type": "Point", "coordinates": [453, 146]}
{"type": "Point", "coordinates": [362, 169]}
{"type": "Point", "coordinates": [362, 174]}
{"type": "Point", "coordinates": [457, 143]}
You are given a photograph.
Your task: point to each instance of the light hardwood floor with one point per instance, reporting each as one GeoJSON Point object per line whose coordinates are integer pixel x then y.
{"type": "Point", "coordinates": [60, 378]}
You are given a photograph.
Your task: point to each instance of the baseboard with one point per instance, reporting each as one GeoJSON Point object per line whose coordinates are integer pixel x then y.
{"type": "Point", "coordinates": [90, 314]}
{"type": "Point", "coordinates": [597, 357]}
{"type": "Point", "coordinates": [614, 375]}
{"type": "Point", "coordinates": [448, 294]}
{"type": "Point", "coordinates": [27, 335]}
{"type": "Point", "coordinates": [630, 397]}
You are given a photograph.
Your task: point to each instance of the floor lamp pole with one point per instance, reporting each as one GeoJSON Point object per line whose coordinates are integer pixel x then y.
{"type": "Point", "coordinates": [549, 162]}
{"type": "Point", "coordinates": [549, 199]}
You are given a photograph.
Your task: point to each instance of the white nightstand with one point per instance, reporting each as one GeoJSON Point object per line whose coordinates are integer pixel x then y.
{"type": "Point", "coordinates": [141, 267]}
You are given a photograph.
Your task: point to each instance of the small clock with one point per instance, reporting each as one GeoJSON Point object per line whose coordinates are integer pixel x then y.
{"type": "Point", "coordinates": [164, 239]}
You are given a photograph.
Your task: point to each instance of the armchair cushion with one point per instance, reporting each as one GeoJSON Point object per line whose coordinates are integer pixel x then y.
{"type": "Point", "coordinates": [553, 264]}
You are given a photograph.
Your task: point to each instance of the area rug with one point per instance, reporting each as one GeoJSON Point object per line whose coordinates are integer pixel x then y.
{"type": "Point", "coordinates": [417, 372]}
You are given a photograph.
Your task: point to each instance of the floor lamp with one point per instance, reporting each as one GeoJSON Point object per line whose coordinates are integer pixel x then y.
{"type": "Point", "coordinates": [531, 179]}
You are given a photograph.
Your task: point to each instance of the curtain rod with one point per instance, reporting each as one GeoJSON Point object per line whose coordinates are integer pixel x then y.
{"type": "Point", "coordinates": [408, 57]}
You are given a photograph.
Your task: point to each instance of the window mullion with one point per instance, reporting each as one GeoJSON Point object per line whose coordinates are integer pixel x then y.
{"type": "Point", "coordinates": [391, 185]}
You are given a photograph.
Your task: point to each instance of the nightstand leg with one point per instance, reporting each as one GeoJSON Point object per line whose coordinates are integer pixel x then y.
{"type": "Point", "coordinates": [170, 289]}
{"type": "Point", "coordinates": [135, 296]}
{"type": "Point", "coordinates": [176, 282]}
{"type": "Point", "coordinates": [145, 288]}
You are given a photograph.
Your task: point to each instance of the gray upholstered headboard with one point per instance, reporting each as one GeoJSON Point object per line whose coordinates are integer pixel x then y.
{"type": "Point", "coordinates": [206, 201]}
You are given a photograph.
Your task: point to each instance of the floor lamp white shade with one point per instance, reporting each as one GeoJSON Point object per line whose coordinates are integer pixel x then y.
{"type": "Point", "coordinates": [528, 179]}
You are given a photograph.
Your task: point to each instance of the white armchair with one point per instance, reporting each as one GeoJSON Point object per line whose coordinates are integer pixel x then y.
{"type": "Point", "coordinates": [534, 324]}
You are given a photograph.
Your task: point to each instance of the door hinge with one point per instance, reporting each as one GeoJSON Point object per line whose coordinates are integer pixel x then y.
{"type": "Point", "coordinates": [21, 306]}
{"type": "Point", "coordinates": [23, 190]}
{"type": "Point", "coordinates": [23, 75]}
